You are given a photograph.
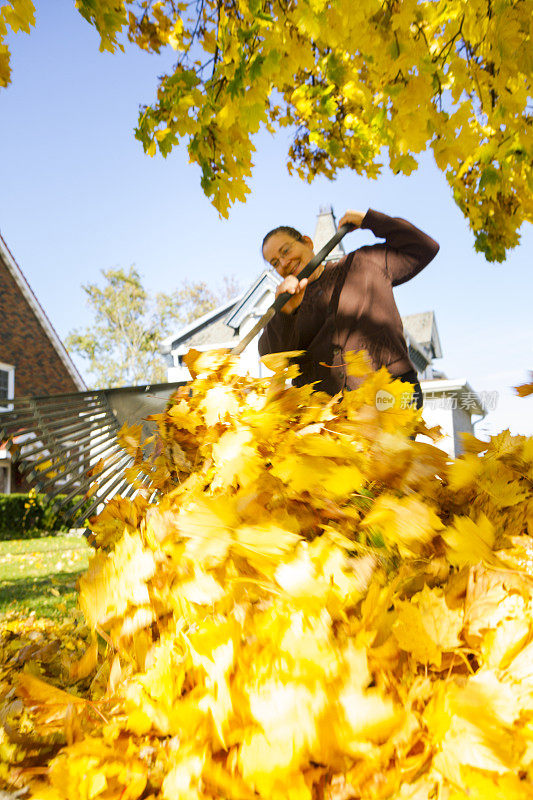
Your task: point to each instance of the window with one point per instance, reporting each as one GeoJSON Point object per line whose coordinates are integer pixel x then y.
{"type": "Point", "coordinates": [4, 386]}
{"type": "Point", "coordinates": [7, 385]}
{"type": "Point", "coordinates": [4, 480]}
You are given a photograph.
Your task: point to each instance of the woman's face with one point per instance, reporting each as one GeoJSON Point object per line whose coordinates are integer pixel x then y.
{"type": "Point", "coordinates": [287, 255]}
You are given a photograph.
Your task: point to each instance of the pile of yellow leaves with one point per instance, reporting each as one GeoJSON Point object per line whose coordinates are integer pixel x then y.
{"type": "Point", "coordinates": [313, 605]}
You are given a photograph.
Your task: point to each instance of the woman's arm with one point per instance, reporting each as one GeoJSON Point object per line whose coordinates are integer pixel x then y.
{"type": "Point", "coordinates": [408, 249]}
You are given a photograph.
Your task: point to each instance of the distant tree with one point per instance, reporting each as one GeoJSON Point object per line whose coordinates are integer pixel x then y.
{"type": "Point", "coordinates": [191, 300]}
{"type": "Point", "coordinates": [122, 346]}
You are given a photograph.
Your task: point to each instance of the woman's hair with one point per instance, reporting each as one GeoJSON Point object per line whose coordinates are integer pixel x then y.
{"type": "Point", "coordinates": [283, 229]}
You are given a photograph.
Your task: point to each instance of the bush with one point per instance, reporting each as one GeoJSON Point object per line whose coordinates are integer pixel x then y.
{"type": "Point", "coordinates": [28, 516]}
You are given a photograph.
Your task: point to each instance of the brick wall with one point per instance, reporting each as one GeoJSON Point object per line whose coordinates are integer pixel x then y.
{"type": "Point", "coordinates": [24, 343]}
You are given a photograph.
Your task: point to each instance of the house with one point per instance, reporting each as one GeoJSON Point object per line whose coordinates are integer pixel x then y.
{"type": "Point", "coordinates": [33, 360]}
{"type": "Point", "coordinates": [448, 403]}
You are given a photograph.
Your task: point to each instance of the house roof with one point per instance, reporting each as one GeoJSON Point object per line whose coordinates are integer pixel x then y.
{"type": "Point", "coordinates": [265, 283]}
{"type": "Point", "coordinates": [423, 328]}
{"type": "Point", "coordinates": [221, 325]}
{"type": "Point", "coordinates": [418, 354]}
{"type": "Point", "coordinates": [210, 327]}
{"type": "Point", "coordinates": [8, 260]}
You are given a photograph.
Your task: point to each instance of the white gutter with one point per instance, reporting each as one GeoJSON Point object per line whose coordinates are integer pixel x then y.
{"type": "Point", "coordinates": [456, 386]}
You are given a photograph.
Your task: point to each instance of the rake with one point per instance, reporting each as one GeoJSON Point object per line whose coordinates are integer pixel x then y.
{"type": "Point", "coordinates": [55, 439]}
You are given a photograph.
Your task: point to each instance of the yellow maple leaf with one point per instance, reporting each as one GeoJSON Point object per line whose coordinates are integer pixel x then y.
{"type": "Point", "coordinates": [426, 627]}
{"type": "Point", "coordinates": [367, 716]}
{"type": "Point", "coordinates": [184, 417]}
{"type": "Point", "coordinates": [93, 767]}
{"type": "Point", "coordinates": [358, 364]}
{"type": "Point", "coordinates": [464, 471]}
{"type": "Point", "coordinates": [202, 589]}
{"type": "Point", "coordinates": [201, 363]}
{"type": "Point", "coordinates": [48, 703]}
{"type": "Point", "coordinates": [183, 779]}
{"type": "Point", "coordinates": [477, 785]}
{"type": "Point", "coordinates": [87, 663]}
{"type": "Point", "coordinates": [280, 362]}
{"type": "Point", "coordinates": [469, 541]}
{"type": "Point", "coordinates": [363, 714]}
{"type": "Point", "coordinates": [206, 525]}
{"type": "Point", "coordinates": [264, 544]}
{"type": "Point", "coordinates": [472, 726]}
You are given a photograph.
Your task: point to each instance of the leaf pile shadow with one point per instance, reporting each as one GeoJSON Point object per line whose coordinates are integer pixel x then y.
{"type": "Point", "coordinates": [313, 605]}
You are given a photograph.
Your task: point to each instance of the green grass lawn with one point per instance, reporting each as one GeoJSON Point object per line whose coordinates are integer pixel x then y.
{"type": "Point", "coordinates": [40, 574]}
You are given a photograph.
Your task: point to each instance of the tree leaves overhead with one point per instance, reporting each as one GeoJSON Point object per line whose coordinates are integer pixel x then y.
{"type": "Point", "coordinates": [260, 637]}
{"type": "Point", "coordinates": [15, 16]}
{"type": "Point", "coordinates": [354, 81]}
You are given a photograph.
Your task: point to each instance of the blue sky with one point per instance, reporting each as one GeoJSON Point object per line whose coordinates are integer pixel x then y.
{"type": "Point", "coordinates": [78, 195]}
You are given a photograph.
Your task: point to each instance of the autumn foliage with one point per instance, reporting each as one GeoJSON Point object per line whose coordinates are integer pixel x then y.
{"type": "Point", "coordinates": [313, 606]}
{"type": "Point", "coordinates": [357, 85]}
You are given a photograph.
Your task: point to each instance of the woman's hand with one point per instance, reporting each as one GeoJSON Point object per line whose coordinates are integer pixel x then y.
{"type": "Point", "coordinates": [295, 287]}
{"type": "Point", "coordinates": [354, 218]}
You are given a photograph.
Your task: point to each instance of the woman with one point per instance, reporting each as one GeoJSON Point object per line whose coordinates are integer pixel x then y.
{"type": "Point", "coordinates": [347, 305]}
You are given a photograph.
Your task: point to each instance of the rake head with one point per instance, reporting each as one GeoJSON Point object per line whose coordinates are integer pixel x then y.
{"type": "Point", "coordinates": [56, 440]}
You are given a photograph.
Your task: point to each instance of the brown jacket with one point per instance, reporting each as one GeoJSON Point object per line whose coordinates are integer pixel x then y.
{"type": "Point", "coordinates": [351, 307]}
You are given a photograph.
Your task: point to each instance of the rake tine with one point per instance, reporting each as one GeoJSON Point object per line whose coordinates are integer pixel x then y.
{"type": "Point", "coordinates": [35, 406]}
{"type": "Point", "coordinates": [61, 443]}
{"type": "Point", "coordinates": [115, 488]}
{"type": "Point", "coordinates": [86, 482]}
{"type": "Point", "coordinates": [133, 490]}
{"type": "Point", "coordinates": [49, 442]}
{"type": "Point", "coordinates": [153, 496]}
{"type": "Point", "coordinates": [88, 441]}
{"type": "Point", "coordinates": [80, 479]}
{"type": "Point", "coordinates": [60, 399]}
{"type": "Point", "coordinates": [70, 425]}
{"type": "Point", "coordinates": [63, 430]}
{"type": "Point", "coordinates": [100, 499]}
{"type": "Point", "coordinates": [31, 465]}
{"type": "Point", "coordinates": [108, 446]}
{"type": "Point", "coordinates": [27, 416]}
{"type": "Point", "coordinates": [12, 425]}
{"type": "Point", "coordinates": [27, 412]}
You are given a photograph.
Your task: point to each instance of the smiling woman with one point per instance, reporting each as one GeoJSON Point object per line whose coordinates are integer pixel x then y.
{"type": "Point", "coordinates": [288, 252]}
{"type": "Point", "coordinates": [348, 305]}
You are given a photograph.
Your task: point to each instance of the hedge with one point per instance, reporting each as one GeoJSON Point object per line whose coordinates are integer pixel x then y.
{"type": "Point", "coordinates": [27, 516]}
